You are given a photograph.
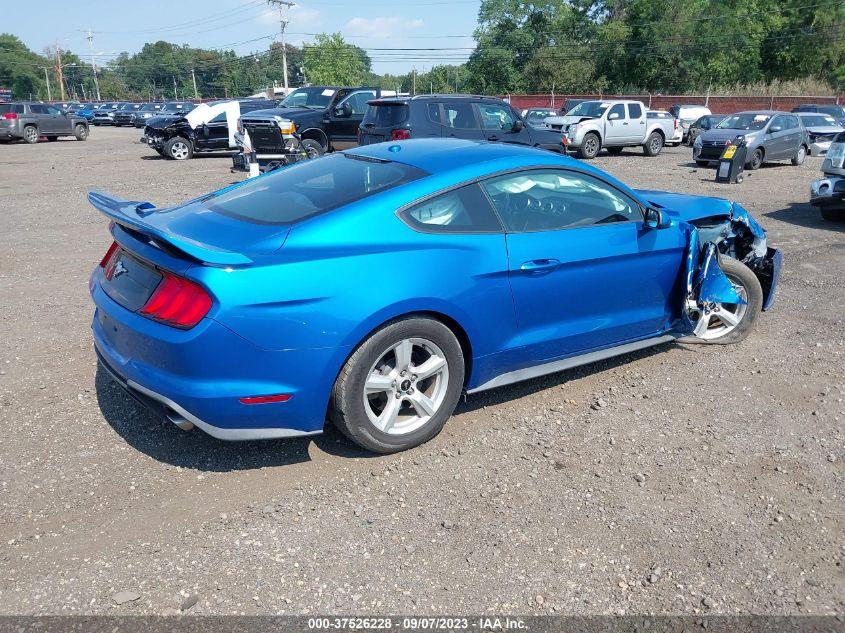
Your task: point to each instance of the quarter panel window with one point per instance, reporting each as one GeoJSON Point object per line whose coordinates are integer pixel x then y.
{"type": "Point", "coordinates": [434, 112]}
{"type": "Point", "coordinates": [553, 199]}
{"type": "Point", "coordinates": [462, 210]}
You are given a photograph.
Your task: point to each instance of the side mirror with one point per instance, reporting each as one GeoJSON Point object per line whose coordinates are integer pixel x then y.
{"type": "Point", "coordinates": [613, 116]}
{"type": "Point", "coordinates": [517, 126]}
{"type": "Point", "coordinates": [344, 111]}
{"type": "Point", "coordinates": [775, 128]}
{"type": "Point", "coordinates": [653, 219]}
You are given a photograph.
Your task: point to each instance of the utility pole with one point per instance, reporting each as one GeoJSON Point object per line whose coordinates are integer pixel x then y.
{"type": "Point", "coordinates": [59, 70]}
{"type": "Point", "coordinates": [414, 85]}
{"type": "Point", "coordinates": [194, 78]}
{"type": "Point", "coordinates": [175, 94]}
{"type": "Point", "coordinates": [283, 22]}
{"type": "Point", "coordinates": [47, 80]}
{"type": "Point", "coordinates": [90, 38]}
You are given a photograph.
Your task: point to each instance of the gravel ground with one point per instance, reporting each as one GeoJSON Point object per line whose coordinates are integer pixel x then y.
{"type": "Point", "coordinates": [682, 480]}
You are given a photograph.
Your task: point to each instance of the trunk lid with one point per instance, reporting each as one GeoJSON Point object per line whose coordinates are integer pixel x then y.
{"type": "Point", "coordinates": [194, 229]}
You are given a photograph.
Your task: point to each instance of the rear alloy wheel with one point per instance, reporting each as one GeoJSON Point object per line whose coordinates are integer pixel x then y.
{"type": "Point", "coordinates": [178, 148]}
{"type": "Point", "coordinates": [756, 160]}
{"type": "Point", "coordinates": [80, 132]}
{"type": "Point", "coordinates": [30, 134]}
{"type": "Point", "coordinates": [800, 156]}
{"type": "Point", "coordinates": [400, 386]}
{"type": "Point", "coordinates": [653, 145]}
{"type": "Point", "coordinates": [725, 323]}
{"type": "Point", "coordinates": [590, 146]}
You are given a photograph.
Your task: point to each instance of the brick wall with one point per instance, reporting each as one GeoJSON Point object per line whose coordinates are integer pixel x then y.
{"type": "Point", "coordinates": [718, 104]}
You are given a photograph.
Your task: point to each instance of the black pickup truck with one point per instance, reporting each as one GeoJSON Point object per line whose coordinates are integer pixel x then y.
{"type": "Point", "coordinates": [325, 118]}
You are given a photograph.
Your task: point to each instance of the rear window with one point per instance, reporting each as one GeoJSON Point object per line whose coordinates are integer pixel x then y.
{"type": "Point", "coordinates": [311, 187]}
{"type": "Point", "coordinates": [6, 108]}
{"type": "Point", "coordinates": [386, 115]}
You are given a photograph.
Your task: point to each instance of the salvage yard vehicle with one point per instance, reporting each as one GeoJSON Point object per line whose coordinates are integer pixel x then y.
{"type": "Point", "coordinates": [323, 118]}
{"type": "Point", "coordinates": [702, 124]}
{"type": "Point", "coordinates": [828, 193]}
{"type": "Point", "coordinates": [374, 286]}
{"type": "Point", "coordinates": [29, 121]}
{"type": "Point", "coordinates": [769, 135]}
{"type": "Point", "coordinates": [821, 129]}
{"type": "Point", "coordinates": [469, 117]}
{"type": "Point", "coordinates": [209, 127]}
{"type": "Point", "coordinates": [614, 125]}
{"type": "Point", "coordinates": [104, 115]}
{"type": "Point", "coordinates": [537, 116]}
{"type": "Point", "coordinates": [835, 110]}
{"type": "Point", "coordinates": [687, 114]}
{"type": "Point", "coordinates": [125, 113]}
{"type": "Point", "coordinates": [154, 110]}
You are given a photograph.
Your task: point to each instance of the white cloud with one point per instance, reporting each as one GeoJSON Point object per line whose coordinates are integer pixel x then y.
{"type": "Point", "coordinates": [380, 26]}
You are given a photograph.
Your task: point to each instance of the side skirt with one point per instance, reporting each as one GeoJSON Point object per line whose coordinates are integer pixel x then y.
{"type": "Point", "coordinates": [573, 361]}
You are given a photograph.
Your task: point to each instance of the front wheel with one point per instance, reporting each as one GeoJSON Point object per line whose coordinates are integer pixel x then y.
{"type": "Point", "coordinates": [726, 323]}
{"type": "Point", "coordinates": [799, 157]}
{"type": "Point", "coordinates": [653, 144]}
{"type": "Point", "coordinates": [756, 160]}
{"type": "Point", "coordinates": [400, 386]}
{"type": "Point", "coordinates": [312, 148]}
{"type": "Point", "coordinates": [590, 146]}
{"type": "Point", "coordinates": [178, 148]}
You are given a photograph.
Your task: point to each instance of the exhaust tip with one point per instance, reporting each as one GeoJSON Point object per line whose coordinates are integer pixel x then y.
{"type": "Point", "coordinates": [178, 420]}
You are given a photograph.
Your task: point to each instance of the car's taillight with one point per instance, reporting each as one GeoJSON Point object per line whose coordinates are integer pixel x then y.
{"type": "Point", "coordinates": [400, 135]}
{"type": "Point", "coordinates": [10, 116]}
{"type": "Point", "coordinates": [177, 302]}
{"type": "Point", "coordinates": [109, 260]}
{"type": "Point", "coordinates": [676, 123]}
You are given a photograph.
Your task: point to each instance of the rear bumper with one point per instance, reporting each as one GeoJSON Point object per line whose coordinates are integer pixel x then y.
{"type": "Point", "coordinates": [198, 376]}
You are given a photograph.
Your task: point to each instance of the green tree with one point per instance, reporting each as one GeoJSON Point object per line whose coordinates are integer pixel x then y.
{"type": "Point", "coordinates": [332, 61]}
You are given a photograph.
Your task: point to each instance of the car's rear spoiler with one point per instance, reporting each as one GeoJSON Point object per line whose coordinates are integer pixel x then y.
{"type": "Point", "coordinates": [132, 214]}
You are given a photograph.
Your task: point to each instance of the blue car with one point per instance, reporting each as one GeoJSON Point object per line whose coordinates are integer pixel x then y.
{"type": "Point", "coordinates": [86, 110]}
{"type": "Point", "coordinates": [373, 287]}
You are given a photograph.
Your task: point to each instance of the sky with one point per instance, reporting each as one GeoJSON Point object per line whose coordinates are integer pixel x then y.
{"type": "Point", "coordinates": [250, 25]}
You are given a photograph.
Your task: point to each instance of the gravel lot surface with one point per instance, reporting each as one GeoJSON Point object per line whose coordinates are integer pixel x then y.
{"type": "Point", "coordinates": [684, 479]}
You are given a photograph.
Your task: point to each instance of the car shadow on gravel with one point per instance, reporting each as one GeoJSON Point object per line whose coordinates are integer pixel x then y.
{"type": "Point", "coordinates": [163, 441]}
{"type": "Point", "coordinates": [806, 215]}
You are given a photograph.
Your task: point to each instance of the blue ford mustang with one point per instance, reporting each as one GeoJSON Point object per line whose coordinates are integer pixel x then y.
{"type": "Point", "coordinates": [372, 287]}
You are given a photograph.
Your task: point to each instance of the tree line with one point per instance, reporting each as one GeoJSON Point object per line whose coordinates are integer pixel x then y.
{"type": "Point", "coordinates": [565, 46]}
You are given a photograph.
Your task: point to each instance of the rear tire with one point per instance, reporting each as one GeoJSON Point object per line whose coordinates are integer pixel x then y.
{"type": "Point", "coordinates": [384, 417]}
{"type": "Point", "coordinates": [80, 132]}
{"type": "Point", "coordinates": [30, 134]}
{"type": "Point", "coordinates": [743, 276]}
{"type": "Point", "coordinates": [179, 148]}
{"type": "Point", "coordinates": [653, 145]}
{"type": "Point", "coordinates": [590, 146]}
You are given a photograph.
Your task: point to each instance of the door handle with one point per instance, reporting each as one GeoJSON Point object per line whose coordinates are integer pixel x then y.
{"type": "Point", "coordinates": [493, 138]}
{"type": "Point", "coordinates": [540, 265]}
{"type": "Point", "coordinates": [624, 123]}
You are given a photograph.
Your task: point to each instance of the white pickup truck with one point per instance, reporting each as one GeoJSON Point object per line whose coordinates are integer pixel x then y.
{"type": "Point", "coordinates": [591, 125]}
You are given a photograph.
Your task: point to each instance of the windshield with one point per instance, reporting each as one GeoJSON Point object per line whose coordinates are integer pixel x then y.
{"type": "Point", "coordinates": [309, 98]}
{"type": "Point", "coordinates": [151, 106]}
{"type": "Point", "coordinates": [817, 120]}
{"type": "Point", "coordinates": [538, 116]}
{"type": "Point", "coordinates": [130, 106]}
{"type": "Point", "coordinates": [833, 110]}
{"type": "Point", "coordinates": [311, 187]}
{"type": "Point", "coordinates": [592, 109]}
{"type": "Point", "coordinates": [745, 121]}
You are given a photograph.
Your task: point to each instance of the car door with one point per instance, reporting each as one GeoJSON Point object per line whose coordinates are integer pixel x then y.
{"type": "Point", "coordinates": [497, 124]}
{"type": "Point", "coordinates": [795, 136]}
{"type": "Point", "coordinates": [616, 126]}
{"type": "Point", "coordinates": [62, 120]}
{"type": "Point", "coordinates": [215, 134]}
{"type": "Point", "coordinates": [42, 118]}
{"type": "Point", "coordinates": [636, 123]}
{"type": "Point", "coordinates": [459, 121]}
{"type": "Point", "coordinates": [776, 141]}
{"type": "Point", "coordinates": [584, 270]}
{"type": "Point", "coordinates": [345, 118]}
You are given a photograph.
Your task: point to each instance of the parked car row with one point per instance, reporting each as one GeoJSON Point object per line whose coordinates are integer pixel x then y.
{"type": "Point", "coordinates": [127, 114]}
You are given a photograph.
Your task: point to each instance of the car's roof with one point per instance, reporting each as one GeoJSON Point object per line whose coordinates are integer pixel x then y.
{"type": "Point", "coordinates": [439, 155]}
{"type": "Point", "coordinates": [767, 112]}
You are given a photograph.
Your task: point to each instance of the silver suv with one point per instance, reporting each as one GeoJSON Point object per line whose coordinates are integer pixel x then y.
{"type": "Point", "coordinates": [29, 121]}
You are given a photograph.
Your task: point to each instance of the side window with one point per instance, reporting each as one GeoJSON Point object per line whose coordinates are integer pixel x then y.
{"type": "Point", "coordinates": [635, 111]}
{"type": "Point", "coordinates": [52, 110]}
{"type": "Point", "coordinates": [778, 121]}
{"type": "Point", "coordinates": [220, 118]}
{"type": "Point", "coordinates": [434, 112]}
{"type": "Point", "coordinates": [617, 109]}
{"type": "Point", "coordinates": [37, 108]}
{"type": "Point", "coordinates": [793, 122]}
{"type": "Point", "coordinates": [553, 199]}
{"type": "Point", "coordinates": [358, 101]}
{"type": "Point", "coordinates": [495, 117]}
{"type": "Point", "coordinates": [463, 210]}
{"type": "Point", "coordinates": [459, 115]}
